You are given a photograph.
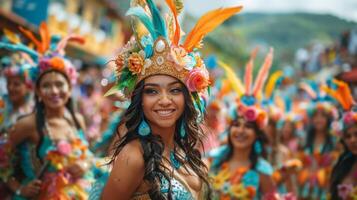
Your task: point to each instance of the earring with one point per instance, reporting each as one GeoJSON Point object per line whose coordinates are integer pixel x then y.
{"type": "Point", "coordinates": [144, 128]}
{"type": "Point", "coordinates": [258, 148]}
{"type": "Point", "coordinates": [182, 130]}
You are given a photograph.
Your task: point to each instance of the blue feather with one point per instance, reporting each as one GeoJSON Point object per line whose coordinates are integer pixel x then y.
{"type": "Point", "coordinates": [139, 12]}
{"type": "Point", "coordinates": [158, 21]}
{"type": "Point", "coordinates": [19, 47]}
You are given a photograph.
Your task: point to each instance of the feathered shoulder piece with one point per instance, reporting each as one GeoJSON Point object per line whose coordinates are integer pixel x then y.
{"type": "Point", "coordinates": [158, 47]}
{"type": "Point", "coordinates": [48, 53]}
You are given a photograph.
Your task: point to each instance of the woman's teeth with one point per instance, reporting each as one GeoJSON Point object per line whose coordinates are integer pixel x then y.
{"type": "Point", "coordinates": [165, 113]}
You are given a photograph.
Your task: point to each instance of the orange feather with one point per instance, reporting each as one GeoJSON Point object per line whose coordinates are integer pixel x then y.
{"type": "Point", "coordinates": [30, 36]}
{"type": "Point", "coordinates": [206, 24]}
{"type": "Point", "coordinates": [172, 7]}
{"type": "Point", "coordinates": [45, 37]}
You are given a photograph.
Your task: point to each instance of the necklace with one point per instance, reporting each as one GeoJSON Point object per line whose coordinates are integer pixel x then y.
{"type": "Point", "coordinates": [174, 162]}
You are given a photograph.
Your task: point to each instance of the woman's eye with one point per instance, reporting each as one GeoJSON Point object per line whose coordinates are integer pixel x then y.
{"type": "Point", "coordinates": [176, 90]}
{"type": "Point", "coordinates": [150, 91]}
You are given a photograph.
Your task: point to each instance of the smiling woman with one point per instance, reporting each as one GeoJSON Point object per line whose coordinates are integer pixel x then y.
{"type": "Point", "coordinates": [54, 159]}
{"type": "Point", "coordinates": [156, 156]}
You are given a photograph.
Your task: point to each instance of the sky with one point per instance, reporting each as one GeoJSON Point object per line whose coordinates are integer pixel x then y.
{"type": "Point", "coordinates": [346, 9]}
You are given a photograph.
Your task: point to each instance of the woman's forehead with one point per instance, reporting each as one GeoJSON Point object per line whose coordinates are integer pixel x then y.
{"type": "Point", "coordinates": [161, 80]}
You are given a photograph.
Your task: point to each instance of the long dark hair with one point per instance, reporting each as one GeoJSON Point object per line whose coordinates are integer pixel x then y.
{"type": "Point", "coordinates": [254, 156]}
{"type": "Point", "coordinates": [341, 169]}
{"type": "Point", "coordinates": [40, 109]}
{"type": "Point", "coordinates": [311, 134]}
{"type": "Point", "coordinates": [153, 145]}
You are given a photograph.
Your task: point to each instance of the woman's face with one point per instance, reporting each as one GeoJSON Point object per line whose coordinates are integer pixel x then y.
{"type": "Point", "coordinates": [319, 120]}
{"type": "Point", "coordinates": [54, 90]}
{"type": "Point", "coordinates": [242, 134]}
{"type": "Point", "coordinates": [16, 88]}
{"type": "Point", "coordinates": [287, 131]}
{"type": "Point", "coordinates": [350, 139]}
{"type": "Point", "coordinates": [163, 101]}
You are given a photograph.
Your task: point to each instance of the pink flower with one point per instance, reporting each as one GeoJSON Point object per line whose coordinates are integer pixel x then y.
{"type": "Point", "coordinates": [347, 118]}
{"type": "Point", "coordinates": [250, 114]}
{"type": "Point", "coordinates": [64, 147]}
{"type": "Point", "coordinates": [344, 190]}
{"type": "Point", "coordinates": [198, 79]}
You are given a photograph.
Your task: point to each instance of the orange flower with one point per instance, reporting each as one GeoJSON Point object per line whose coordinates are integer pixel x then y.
{"type": "Point", "coordinates": [135, 63]}
{"type": "Point", "coordinates": [119, 62]}
{"type": "Point", "coordinates": [57, 63]}
{"type": "Point", "coordinates": [252, 191]}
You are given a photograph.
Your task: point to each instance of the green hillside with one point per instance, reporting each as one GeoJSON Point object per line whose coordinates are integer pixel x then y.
{"type": "Point", "coordinates": [285, 32]}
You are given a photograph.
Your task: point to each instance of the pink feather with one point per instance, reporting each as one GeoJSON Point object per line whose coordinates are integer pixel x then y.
{"type": "Point", "coordinates": [308, 90]}
{"type": "Point", "coordinates": [248, 77]}
{"type": "Point", "coordinates": [63, 43]}
{"type": "Point", "coordinates": [263, 73]}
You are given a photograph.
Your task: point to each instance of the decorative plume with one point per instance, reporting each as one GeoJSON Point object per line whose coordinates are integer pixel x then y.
{"type": "Point", "coordinates": [308, 89]}
{"type": "Point", "coordinates": [263, 73]}
{"type": "Point", "coordinates": [158, 21]}
{"type": "Point", "coordinates": [140, 13]}
{"type": "Point", "coordinates": [70, 38]}
{"type": "Point", "coordinates": [342, 94]}
{"type": "Point", "coordinates": [20, 47]}
{"type": "Point", "coordinates": [12, 37]}
{"type": "Point", "coordinates": [45, 37]}
{"type": "Point", "coordinates": [233, 79]}
{"type": "Point", "coordinates": [272, 83]}
{"type": "Point", "coordinates": [249, 72]}
{"type": "Point", "coordinates": [33, 39]}
{"type": "Point", "coordinates": [206, 24]}
{"type": "Point", "coordinates": [173, 9]}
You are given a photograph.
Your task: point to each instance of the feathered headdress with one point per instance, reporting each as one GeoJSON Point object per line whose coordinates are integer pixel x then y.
{"type": "Point", "coordinates": [319, 100]}
{"type": "Point", "coordinates": [250, 96]}
{"type": "Point", "coordinates": [48, 54]}
{"type": "Point", "coordinates": [156, 48]}
{"type": "Point", "coordinates": [342, 93]}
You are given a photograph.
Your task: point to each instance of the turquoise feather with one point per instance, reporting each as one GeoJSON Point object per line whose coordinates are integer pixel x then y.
{"type": "Point", "coordinates": [19, 47]}
{"type": "Point", "coordinates": [139, 12]}
{"type": "Point", "coordinates": [158, 21]}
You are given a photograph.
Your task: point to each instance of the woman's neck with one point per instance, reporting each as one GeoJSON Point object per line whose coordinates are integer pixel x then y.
{"type": "Point", "coordinates": [18, 104]}
{"type": "Point", "coordinates": [241, 157]}
{"type": "Point", "coordinates": [320, 137]}
{"type": "Point", "coordinates": [166, 134]}
{"type": "Point", "coordinates": [54, 113]}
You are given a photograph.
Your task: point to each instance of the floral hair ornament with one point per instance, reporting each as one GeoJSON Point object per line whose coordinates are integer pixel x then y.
{"type": "Point", "coordinates": [342, 93]}
{"type": "Point", "coordinates": [156, 48]}
{"type": "Point", "coordinates": [249, 98]}
{"type": "Point", "coordinates": [16, 64]}
{"type": "Point", "coordinates": [49, 53]}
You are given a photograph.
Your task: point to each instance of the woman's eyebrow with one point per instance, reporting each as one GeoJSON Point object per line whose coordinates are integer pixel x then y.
{"type": "Point", "coordinates": [161, 85]}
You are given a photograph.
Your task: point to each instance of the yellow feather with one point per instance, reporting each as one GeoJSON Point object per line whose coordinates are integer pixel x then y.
{"type": "Point", "coordinates": [206, 24]}
{"type": "Point", "coordinates": [271, 83]}
{"type": "Point", "coordinates": [12, 37]}
{"type": "Point", "coordinates": [233, 79]}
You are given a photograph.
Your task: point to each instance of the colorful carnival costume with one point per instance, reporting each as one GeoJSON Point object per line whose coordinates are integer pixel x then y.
{"type": "Point", "coordinates": [313, 179]}
{"type": "Point", "coordinates": [346, 186]}
{"type": "Point", "coordinates": [49, 159]}
{"type": "Point", "coordinates": [241, 183]}
{"type": "Point", "coordinates": [16, 65]}
{"type": "Point", "coordinates": [156, 50]}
